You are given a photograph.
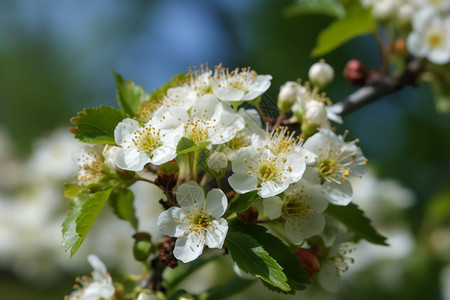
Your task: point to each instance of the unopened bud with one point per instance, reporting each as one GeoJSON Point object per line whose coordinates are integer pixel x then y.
{"type": "Point", "coordinates": [383, 10]}
{"type": "Point", "coordinates": [321, 74]}
{"type": "Point", "coordinates": [312, 265]}
{"type": "Point", "coordinates": [355, 72]}
{"type": "Point", "coordinates": [217, 164]}
{"type": "Point", "coordinates": [399, 46]}
{"type": "Point", "coordinates": [288, 94]}
{"type": "Point", "coordinates": [316, 112]}
{"type": "Point", "coordinates": [146, 295]}
{"type": "Point", "coordinates": [142, 246]}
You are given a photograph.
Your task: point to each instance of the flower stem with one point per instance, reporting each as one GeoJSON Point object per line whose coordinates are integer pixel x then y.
{"type": "Point", "coordinates": [143, 179]}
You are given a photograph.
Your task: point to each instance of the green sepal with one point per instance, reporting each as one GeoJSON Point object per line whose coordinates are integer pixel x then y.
{"type": "Point", "coordinates": [97, 125]}
{"type": "Point", "coordinates": [186, 145]}
{"type": "Point", "coordinates": [121, 200]}
{"type": "Point", "coordinates": [355, 220]}
{"type": "Point", "coordinates": [293, 268]}
{"type": "Point", "coordinates": [357, 21]}
{"type": "Point", "coordinates": [332, 8]}
{"type": "Point", "coordinates": [129, 95]}
{"type": "Point", "coordinates": [85, 209]}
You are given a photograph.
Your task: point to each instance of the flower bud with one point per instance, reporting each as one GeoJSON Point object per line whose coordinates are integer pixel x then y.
{"type": "Point", "coordinates": [146, 295]}
{"type": "Point", "coordinates": [217, 164]}
{"type": "Point", "coordinates": [355, 72]}
{"type": "Point", "coordinates": [288, 94]}
{"type": "Point", "coordinates": [383, 10]}
{"type": "Point", "coordinates": [321, 74]}
{"type": "Point", "coordinates": [142, 246]}
{"type": "Point", "coordinates": [404, 14]}
{"type": "Point", "coordinates": [316, 112]}
{"type": "Point", "coordinates": [312, 265]}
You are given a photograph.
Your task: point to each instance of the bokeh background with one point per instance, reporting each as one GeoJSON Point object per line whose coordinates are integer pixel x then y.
{"type": "Point", "coordinates": [57, 57]}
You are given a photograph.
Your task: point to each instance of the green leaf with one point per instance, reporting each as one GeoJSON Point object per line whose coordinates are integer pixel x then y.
{"type": "Point", "coordinates": [285, 257]}
{"type": "Point", "coordinates": [242, 202]}
{"type": "Point", "coordinates": [358, 21]}
{"type": "Point", "coordinates": [186, 145]}
{"type": "Point", "coordinates": [252, 258]}
{"type": "Point", "coordinates": [121, 200]}
{"type": "Point", "coordinates": [355, 220]}
{"type": "Point", "coordinates": [332, 8]}
{"type": "Point", "coordinates": [175, 81]}
{"type": "Point", "coordinates": [72, 190]}
{"type": "Point", "coordinates": [96, 125]}
{"type": "Point", "coordinates": [85, 209]}
{"type": "Point", "coordinates": [129, 95]}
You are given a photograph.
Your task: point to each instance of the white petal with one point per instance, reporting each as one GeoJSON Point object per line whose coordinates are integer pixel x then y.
{"type": "Point", "coordinates": [123, 129]}
{"type": "Point", "coordinates": [440, 55]}
{"type": "Point", "coordinates": [216, 203]}
{"type": "Point", "coordinates": [216, 233]}
{"type": "Point", "coordinates": [272, 188]}
{"type": "Point", "coordinates": [162, 155]}
{"type": "Point", "coordinates": [338, 194]}
{"type": "Point", "coordinates": [329, 279]}
{"type": "Point", "coordinates": [416, 45]}
{"type": "Point", "coordinates": [96, 263]}
{"type": "Point", "coordinates": [273, 206]}
{"type": "Point", "coordinates": [257, 87]}
{"type": "Point", "coordinates": [189, 247]}
{"type": "Point", "coordinates": [243, 183]}
{"type": "Point", "coordinates": [228, 94]}
{"type": "Point", "coordinates": [299, 229]}
{"type": "Point", "coordinates": [168, 222]}
{"type": "Point", "coordinates": [190, 195]}
{"type": "Point", "coordinates": [206, 107]}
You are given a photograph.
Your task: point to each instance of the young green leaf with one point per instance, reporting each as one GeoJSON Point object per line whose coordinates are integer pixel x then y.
{"type": "Point", "coordinates": [72, 190]}
{"type": "Point", "coordinates": [121, 201]}
{"type": "Point", "coordinates": [96, 125]}
{"type": "Point", "coordinates": [186, 145]}
{"type": "Point", "coordinates": [85, 209]}
{"type": "Point", "coordinates": [285, 257]}
{"type": "Point", "coordinates": [129, 95]}
{"type": "Point", "coordinates": [252, 258]}
{"type": "Point", "coordinates": [358, 21]}
{"type": "Point", "coordinates": [355, 220]}
{"type": "Point", "coordinates": [332, 8]}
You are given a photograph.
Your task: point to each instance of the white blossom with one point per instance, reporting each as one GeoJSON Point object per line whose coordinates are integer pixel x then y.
{"type": "Point", "coordinates": [197, 222]}
{"type": "Point", "coordinates": [301, 207]}
{"type": "Point", "coordinates": [430, 37]}
{"type": "Point", "coordinates": [155, 142]}
{"type": "Point", "coordinates": [209, 120]}
{"type": "Point", "coordinates": [90, 162]}
{"type": "Point", "coordinates": [268, 165]}
{"type": "Point", "coordinates": [100, 286]}
{"type": "Point", "coordinates": [239, 85]}
{"type": "Point", "coordinates": [335, 161]}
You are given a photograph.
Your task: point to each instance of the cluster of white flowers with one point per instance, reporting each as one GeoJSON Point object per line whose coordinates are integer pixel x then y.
{"type": "Point", "coordinates": [430, 22]}
{"type": "Point", "coordinates": [207, 149]}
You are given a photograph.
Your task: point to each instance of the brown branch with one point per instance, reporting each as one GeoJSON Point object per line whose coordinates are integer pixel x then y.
{"type": "Point", "coordinates": [384, 85]}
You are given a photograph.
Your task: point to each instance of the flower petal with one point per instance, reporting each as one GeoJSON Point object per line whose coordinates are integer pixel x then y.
{"type": "Point", "coordinates": [216, 233]}
{"type": "Point", "coordinates": [190, 195]}
{"type": "Point", "coordinates": [243, 183]}
{"type": "Point", "coordinates": [216, 203]}
{"type": "Point", "coordinates": [273, 206]}
{"type": "Point", "coordinates": [338, 194]}
{"type": "Point", "coordinates": [189, 246]}
{"type": "Point", "coordinates": [272, 188]}
{"type": "Point", "coordinates": [168, 222]}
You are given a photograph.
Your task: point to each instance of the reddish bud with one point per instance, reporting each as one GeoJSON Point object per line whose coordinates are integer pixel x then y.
{"type": "Point", "coordinates": [249, 216]}
{"type": "Point", "coordinates": [399, 46]}
{"type": "Point", "coordinates": [312, 265]}
{"type": "Point", "coordinates": [355, 72]}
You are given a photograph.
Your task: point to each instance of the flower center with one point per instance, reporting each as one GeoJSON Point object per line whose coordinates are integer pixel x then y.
{"type": "Point", "coordinates": [197, 131]}
{"type": "Point", "coordinates": [435, 39]}
{"type": "Point", "coordinates": [327, 167]}
{"type": "Point", "coordinates": [199, 222]}
{"type": "Point", "coordinates": [282, 141]}
{"type": "Point", "coordinates": [296, 207]}
{"type": "Point", "coordinates": [267, 172]}
{"type": "Point", "coordinates": [150, 139]}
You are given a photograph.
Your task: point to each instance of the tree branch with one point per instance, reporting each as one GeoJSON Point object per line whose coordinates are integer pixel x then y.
{"type": "Point", "coordinates": [385, 85]}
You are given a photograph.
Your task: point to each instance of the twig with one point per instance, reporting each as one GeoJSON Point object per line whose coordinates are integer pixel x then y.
{"type": "Point", "coordinates": [386, 85]}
